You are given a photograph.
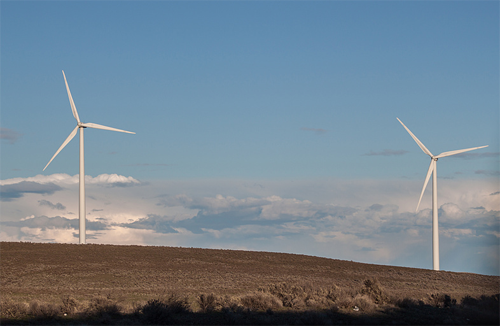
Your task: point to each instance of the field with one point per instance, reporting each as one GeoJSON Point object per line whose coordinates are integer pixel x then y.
{"type": "Point", "coordinates": [104, 284]}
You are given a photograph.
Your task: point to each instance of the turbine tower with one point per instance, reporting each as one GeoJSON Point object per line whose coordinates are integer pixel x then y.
{"type": "Point", "coordinates": [432, 170]}
{"type": "Point", "coordinates": [80, 125]}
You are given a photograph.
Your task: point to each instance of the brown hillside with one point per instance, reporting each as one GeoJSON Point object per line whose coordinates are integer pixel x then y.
{"type": "Point", "coordinates": [46, 272]}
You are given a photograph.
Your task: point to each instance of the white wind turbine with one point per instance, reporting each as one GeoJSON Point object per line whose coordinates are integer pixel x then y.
{"type": "Point", "coordinates": [432, 170]}
{"type": "Point", "coordinates": [80, 125]}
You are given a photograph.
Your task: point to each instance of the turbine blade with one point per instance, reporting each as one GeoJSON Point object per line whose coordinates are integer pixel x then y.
{"type": "Point", "coordinates": [73, 107]}
{"type": "Point", "coordinates": [96, 126]}
{"type": "Point", "coordinates": [444, 154]}
{"type": "Point", "coordinates": [427, 177]}
{"type": "Point", "coordinates": [419, 143]}
{"type": "Point", "coordinates": [71, 135]}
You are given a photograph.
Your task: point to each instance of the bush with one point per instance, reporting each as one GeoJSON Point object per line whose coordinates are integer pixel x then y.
{"type": "Point", "coordinates": [13, 310]}
{"type": "Point", "coordinates": [159, 311]}
{"type": "Point", "coordinates": [69, 305]}
{"type": "Point", "coordinates": [364, 303]}
{"type": "Point", "coordinates": [261, 302]}
{"type": "Point", "coordinates": [103, 307]}
{"type": "Point", "coordinates": [373, 289]}
{"type": "Point", "coordinates": [406, 303]}
{"type": "Point", "coordinates": [469, 301]}
{"type": "Point", "coordinates": [292, 296]}
{"type": "Point", "coordinates": [442, 301]}
{"type": "Point", "coordinates": [229, 304]}
{"type": "Point", "coordinates": [207, 303]}
{"type": "Point", "coordinates": [484, 302]}
{"type": "Point", "coordinates": [155, 311]}
{"type": "Point", "coordinates": [177, 304]}
{"type": "Point", "coordinates": [43, 311]}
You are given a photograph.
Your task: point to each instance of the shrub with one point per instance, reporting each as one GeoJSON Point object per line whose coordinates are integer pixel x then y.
{"type": "Point", "coordinates": [43, 311]}
{"type": "Point", "coordinates": [292, 296]}
{"type": "Point", "coordinates": [177, 304]}
{"type": "Point", "coordinates": [207, 303]}
{"type": "Point", "coordinates": [364, 303]}
{"type": "Point", "coordinates": [469, 301]}
{"type": "Point", "coordinates": [406, 303]}
{"type": "Point", "coordinates": [373, 289]}
{"type": "Point", "coordinates": [155, 311]}
{"type": "Point", "coordinates": [229, 304]}
{"type": "Point", "coordinates": [484, 302]}
{"type": "Point", "coordinates": [442, 301]}
{"type": "Point", "coordinates": [261, 302]}
{"type": "Point", "coordinates": [333, 293]}
{"type": "Point", "coordinates": [103, 307]}
{"type": "Point", "coordinates": [308, 296]}
{"type": "Point", "coordinates": [13, 310]}
{"type": "Point", "coordinates": [69, 305]}
{"type": "Point", "coordinates": [161, 311]}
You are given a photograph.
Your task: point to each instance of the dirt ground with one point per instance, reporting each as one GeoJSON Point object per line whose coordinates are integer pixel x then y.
{"type": "Point", "coordinates": [46, 272]}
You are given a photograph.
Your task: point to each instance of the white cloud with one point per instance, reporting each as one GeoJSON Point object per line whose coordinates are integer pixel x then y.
{"type": "Point", "coordinates": [47, 235]}
{"type": "Point", "coordinates": [451, 212]}
{"type": "Point", "coordinates": [455, 233]}
{"type": "Point", "coordinates": [66, 179]}
{"type": "Point", "coordinates": [221, 204]}
{"type": "Point", "coordinates": [371, 221]}
{"type": "Point", "coordinates": [495, 233]}
{"type": "Point", "coordinates": [278, 207]}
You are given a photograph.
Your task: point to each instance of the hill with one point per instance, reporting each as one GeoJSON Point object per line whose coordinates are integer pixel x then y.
{"type": "Point", "coordinates": [131, 276]}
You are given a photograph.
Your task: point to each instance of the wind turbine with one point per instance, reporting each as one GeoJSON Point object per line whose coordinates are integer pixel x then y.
{"type": "Point", "coordinates": [80, 125]}
{"type": "Point", "coordinates": [432, 170]}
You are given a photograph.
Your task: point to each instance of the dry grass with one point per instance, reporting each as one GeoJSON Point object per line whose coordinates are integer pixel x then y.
{"type": "Point", "coordinates": [102, 284]}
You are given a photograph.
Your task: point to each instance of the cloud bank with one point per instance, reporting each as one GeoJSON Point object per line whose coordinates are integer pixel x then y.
{"type": "Point", "coordinates": [362, 220]}
{"type": "Point", "coordinates": [66, 179]}
{"type": "Point", "coordinates": [17, 190]}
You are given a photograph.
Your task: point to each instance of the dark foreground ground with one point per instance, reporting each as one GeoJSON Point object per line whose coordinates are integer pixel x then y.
{"type": "Point", "coordinates": [132, 285]}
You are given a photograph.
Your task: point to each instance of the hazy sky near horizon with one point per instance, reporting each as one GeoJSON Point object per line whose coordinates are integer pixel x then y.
{"type": "Point", "coordinates": [260, 125]}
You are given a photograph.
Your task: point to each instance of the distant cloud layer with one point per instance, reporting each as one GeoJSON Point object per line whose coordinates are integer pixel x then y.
{"type": "Point", "coordinates": [58, 206]}
{"type": "Point", "coordinates": [9, 135]}
{"type": "Point", "coordinates": [62, 178]}
{"type": "Point", "coordinates": [387, 152]}
{"type": "Point", "coordinates": [17, 190]}
{"type": "Point", "coordinates": [365, 220]}
{"type": "Point", "coordinates": [56, 222]}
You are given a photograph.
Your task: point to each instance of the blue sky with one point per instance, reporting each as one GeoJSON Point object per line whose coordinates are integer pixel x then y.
{"type": "Point", "coordinates": [253, 101]}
